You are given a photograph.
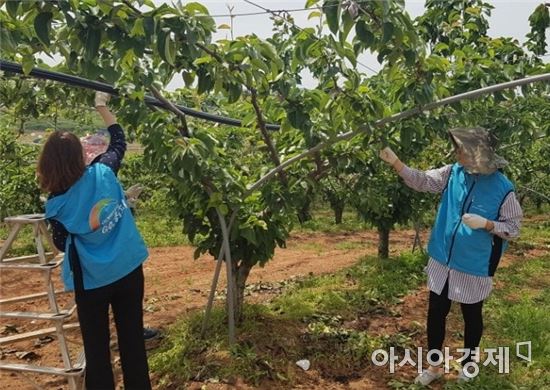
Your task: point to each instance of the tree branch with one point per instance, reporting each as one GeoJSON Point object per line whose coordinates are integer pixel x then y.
{"type": "Point", "coordinates": [184, 131]}
{"type": "Point", "coordinates": [261, 125]}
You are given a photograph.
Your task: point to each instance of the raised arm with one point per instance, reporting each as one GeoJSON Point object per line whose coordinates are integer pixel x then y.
{"type": "Point", "coordinates": [117, 147]}
{"type": "Point", "coordinates": [433, 180]}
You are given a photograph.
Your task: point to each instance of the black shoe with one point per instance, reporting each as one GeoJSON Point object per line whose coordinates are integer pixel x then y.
{"type": "Point", "coordinates": [150, 333]}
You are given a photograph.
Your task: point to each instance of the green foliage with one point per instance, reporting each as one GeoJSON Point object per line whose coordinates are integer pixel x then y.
{"type": "Point", "coordinates": [18, 191]}
{"type": "Point", "coordinates": [539, 22]}
{"type": "Point", "coordinates": [208, 171]}
{"type": "Point", "coordinates": [159, 228]}
{"type": "Point", "coordinates": [23, 245]}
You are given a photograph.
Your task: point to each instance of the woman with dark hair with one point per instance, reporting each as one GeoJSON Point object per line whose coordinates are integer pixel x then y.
{"type": "Point", "coordinates": [477, 215]}
{"type": "Point", "coordinates": [104, 251]}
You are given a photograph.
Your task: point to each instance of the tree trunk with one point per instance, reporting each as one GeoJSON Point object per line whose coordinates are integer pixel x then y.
{"type": "Point", "coordinates": [522, 199]}
{"type": "Point", "coordinates": [240, 275]}
{"type": "Point", "coordinates": [383, 242]}
{"type": "Point", "coordinates": [55, 118]}
{"type": "Point", "coordinates": [417, 240]}
{"type": "Point", "coordinates": [538, 205]}
{"type": "Point", "coordinates": [338, 213]}
{"type": "Point", "coordinates": [304, 213]}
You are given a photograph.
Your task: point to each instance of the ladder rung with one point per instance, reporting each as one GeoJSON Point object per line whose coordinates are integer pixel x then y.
{"type": "Point", "coordinates": [26, 218]}
{"type": "Point", "coordinates": [37, 333]}
{"type": "Point", "coordinates": [48, 255]}
{"type": "Point", "coordinates": [30, 296]}
{"type": "Point", "coordinates": [42, 267]}
{"type": "Point", "coordinates": [38, 316]}
{"type": "Point", "coordinates": [75, 371]}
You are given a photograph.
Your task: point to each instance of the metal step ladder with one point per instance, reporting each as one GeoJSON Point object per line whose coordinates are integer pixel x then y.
{"type": "Point", "coordinates": [44, 263]}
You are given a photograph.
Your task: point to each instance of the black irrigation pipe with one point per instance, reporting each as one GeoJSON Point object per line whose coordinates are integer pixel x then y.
{"type": "Point", "coordinates": [76, 81]}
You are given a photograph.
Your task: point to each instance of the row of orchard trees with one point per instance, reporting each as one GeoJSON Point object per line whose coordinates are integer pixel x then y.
{"type": "Point", "coordinates": [214, 171]}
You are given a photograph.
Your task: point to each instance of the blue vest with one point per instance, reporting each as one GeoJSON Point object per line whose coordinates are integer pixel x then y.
{"type": "Point", "coordinates": [453, 243]}
{"type": "Point", "coordinates": [101, 226]}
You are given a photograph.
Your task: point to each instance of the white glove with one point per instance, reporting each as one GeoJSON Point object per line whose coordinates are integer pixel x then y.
{"type": "Point", "coordinates": [474, 221]}
{"type": "Point", "coordinates": [388, 155]}
{"type": "Point", "coordinates": [132, 194]}
{"type": "Point", "coordinates": [101, 99]}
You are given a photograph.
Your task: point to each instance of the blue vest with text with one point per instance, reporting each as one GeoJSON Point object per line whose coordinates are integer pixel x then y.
{"type": "Point", "coordinates": [100, 226]}
{"type": "Point", "coordinates": [453, 243]}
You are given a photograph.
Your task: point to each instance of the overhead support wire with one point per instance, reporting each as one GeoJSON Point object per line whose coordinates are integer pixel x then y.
{"type": "Point", "coordinates": [103, 87]}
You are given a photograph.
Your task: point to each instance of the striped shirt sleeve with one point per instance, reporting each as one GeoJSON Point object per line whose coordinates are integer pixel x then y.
{"type": "Point", "coordinates": [509, 221]}
{"type": "Point", "coordinates": [433, 180]}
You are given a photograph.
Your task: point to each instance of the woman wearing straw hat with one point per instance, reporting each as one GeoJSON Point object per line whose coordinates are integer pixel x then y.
{"type": "Point", "coordinates": [477, 215]}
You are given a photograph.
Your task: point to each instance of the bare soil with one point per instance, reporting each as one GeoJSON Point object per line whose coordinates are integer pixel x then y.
{"type": "Point", "coordinates": [176, 284]}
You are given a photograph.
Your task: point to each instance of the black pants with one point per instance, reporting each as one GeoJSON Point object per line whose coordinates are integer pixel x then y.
{"type": "Point", "coordinates": [126, 298]}
{"type": "Point", "coordinates": [438, 309]}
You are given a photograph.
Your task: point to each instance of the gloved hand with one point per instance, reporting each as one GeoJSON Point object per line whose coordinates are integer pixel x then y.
{"type": "Point", "coordinates": [132, 194]}
{"type": "Point", "coordinates": [101, 99]}
{"type": "Point", "coordinates": [388, 155]}
{"type": "Point", "coordinates": [474, 221]}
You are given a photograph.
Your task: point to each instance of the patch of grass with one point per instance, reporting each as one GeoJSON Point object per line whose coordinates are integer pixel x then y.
{"type": "Point", "coordinates": [323, 221]}
{"type": "Point", "coordinates": [349, 245]}
{"type": "Point", "coordinates": [159, 229]}
{"type": "Point", "coordinates": [311, 319]}
{"type": "Point", "coordinates": [24, 243]}
{"type": "Point", "coordinates": [317, 295]}
{"type": "Point", "coordinates": [185, 356]}
{"type": "Point", "coordinates": [363, 287]}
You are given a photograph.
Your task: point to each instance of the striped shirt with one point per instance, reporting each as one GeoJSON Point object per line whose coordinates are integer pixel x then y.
{"type": "Point", "coordinates": [463, 288]}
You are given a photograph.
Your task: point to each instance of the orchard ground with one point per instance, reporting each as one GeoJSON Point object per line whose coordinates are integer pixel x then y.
{"type": "Point", "coordinates": [325, 298]}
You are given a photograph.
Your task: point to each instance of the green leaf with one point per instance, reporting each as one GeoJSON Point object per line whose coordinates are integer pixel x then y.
{"type": "Point", "coordinates": [28, 63]}
{"type": "Point", "coordinates": [138, 30]}
{"type": "Point", "coordinates": [170, 50]}
{"type": "Point", "coordinates": [6, 42]}
{"type": "Point", "coordinates": [259, 64]}
{"type": "Point", "coordinates": [196, 8]}
{"type": "Point", "coordinates": [12, 7]}
{"type": "Point", "coordinates": [364, 34]}
{"type": "Point", "coordinates": [388, 31]}
{"type": "Point", "coordinates": [314, 14]}
{"type": "Point", "coordinates": [42, 27]}
{"type": "Point", "coordinates": [332, 10]}
{"type": "Point", "coordinates": [161, 42]}
{"type": "Point", "coordinates": [203, 60]}
{"type": "Point", "coordinates": [346, 27]}
{"type": "Point", "coordinates": [205, 83]}
{"type": "Point", "coordinates": [249, 235]}
{"type": "Point", "coordinates": [410, 57]}
{"type": "Point", "coordinates": [188, 78]}
{"type": "Point", "coordinates": [149, 26]}
{"type": "Point", "coordinates": [197, 253]}
{"type": "Point", "coordinates": [406, 136]}
{"type": "Point", "coordinates": [110, 74]}
{"type": "Point", "coordinates": [93, 39]}
{"type": "Point", "coordinates": [350, 55]}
